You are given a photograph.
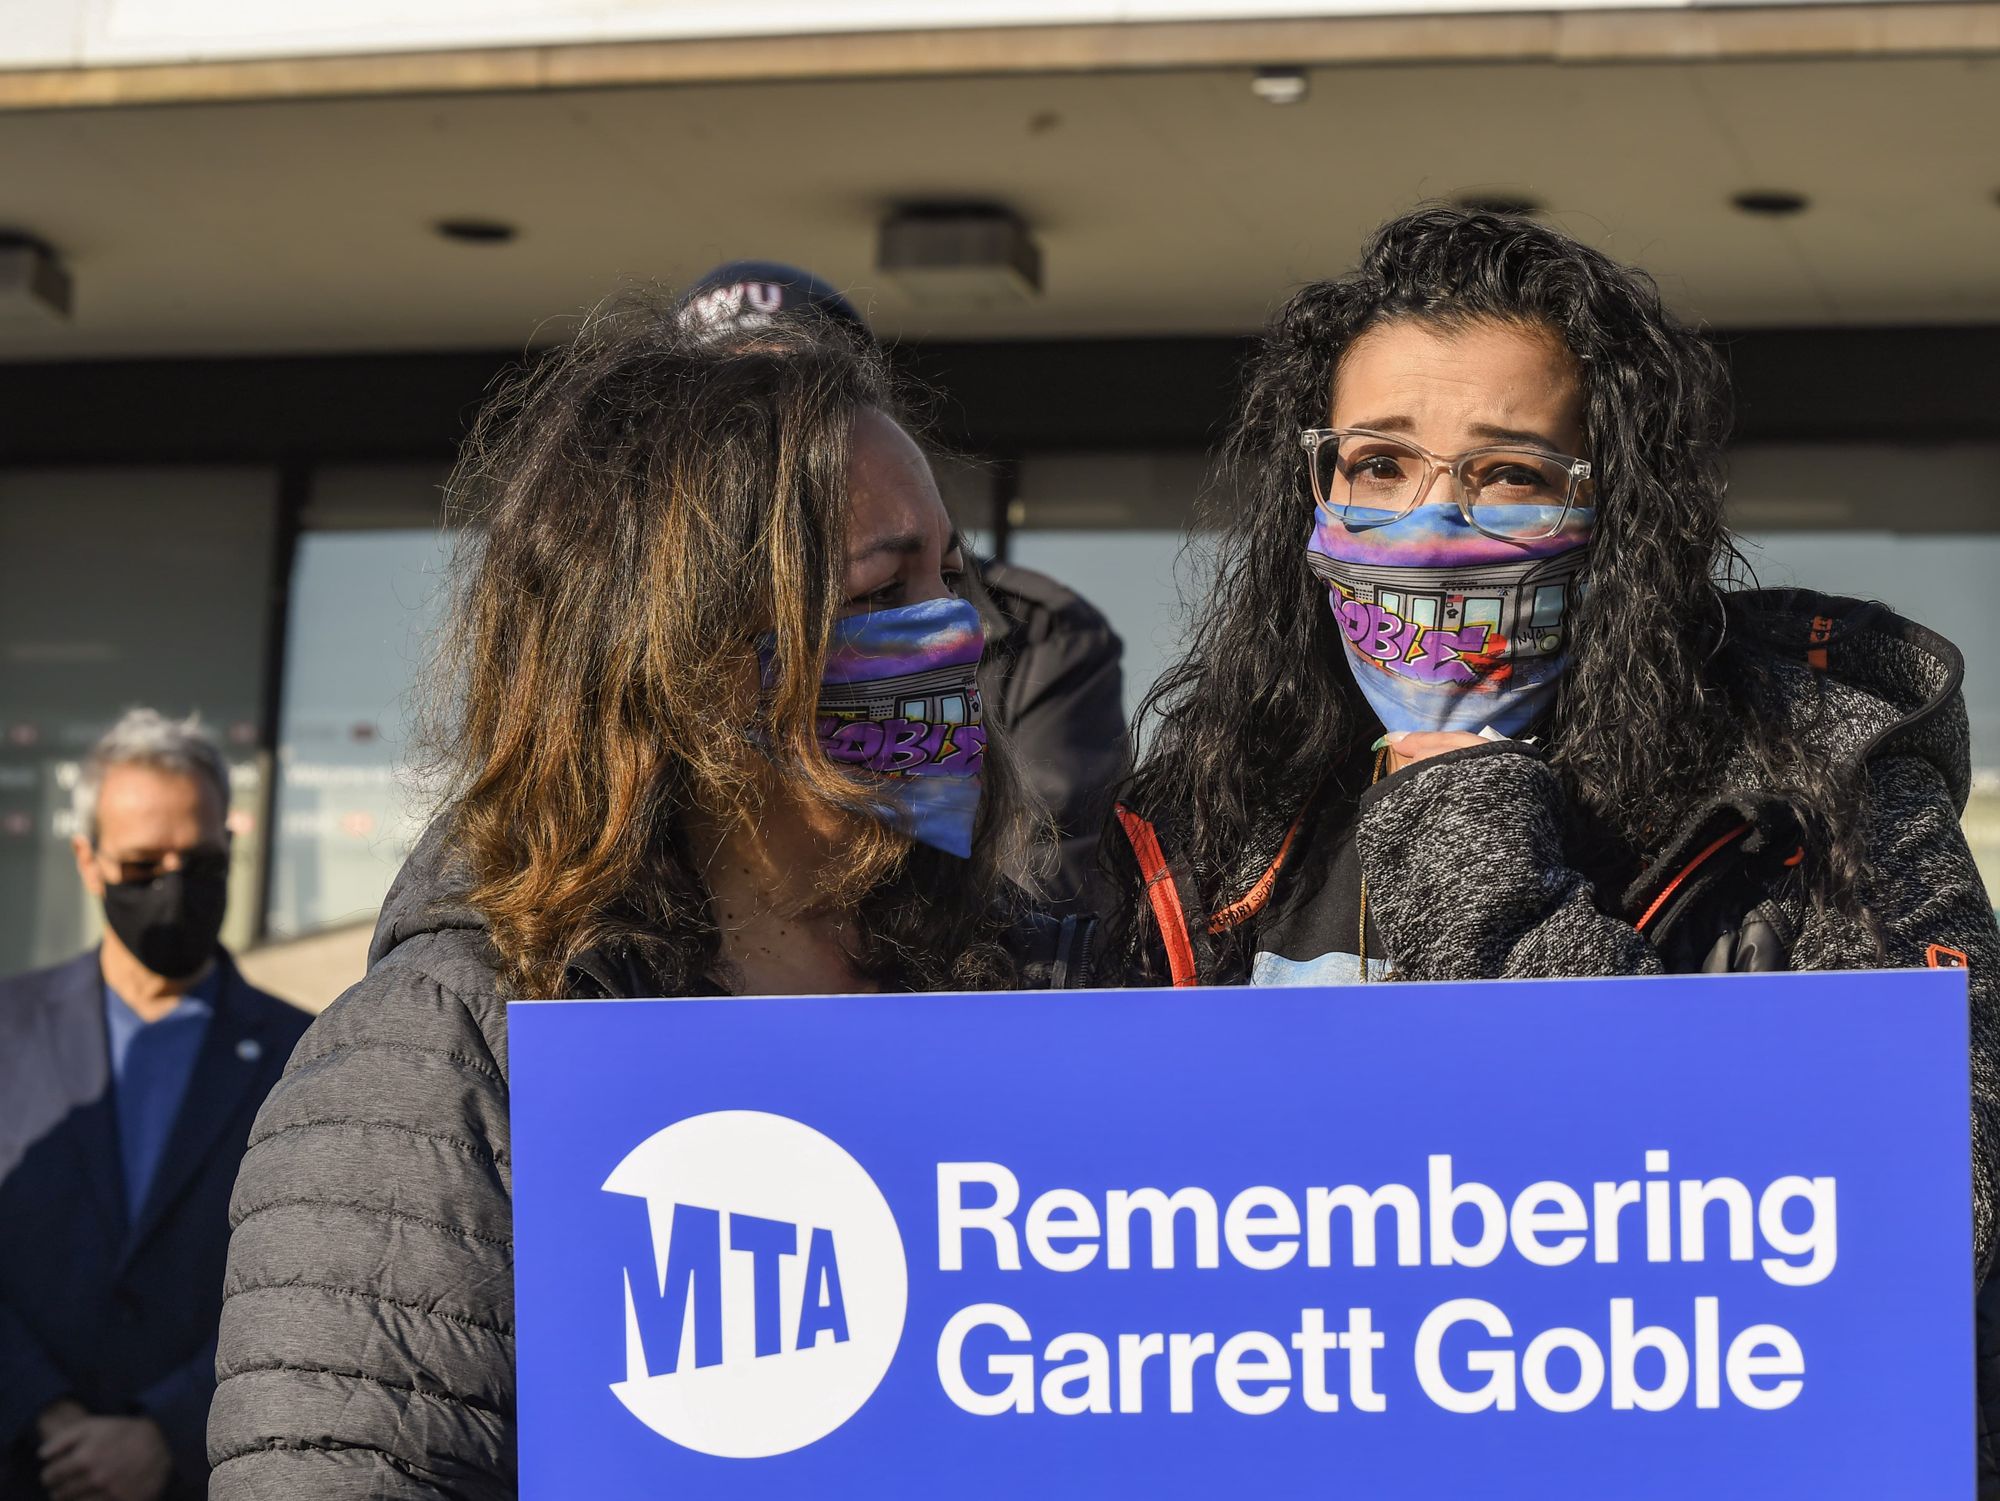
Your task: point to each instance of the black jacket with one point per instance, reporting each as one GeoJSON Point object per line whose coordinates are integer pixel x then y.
{"type": "Point", "coordinates": [1052, 682]}
{"type": "Point", "coordinates": [367, 1345]}
{"type": "Point", "coordinates": [117, 1315]}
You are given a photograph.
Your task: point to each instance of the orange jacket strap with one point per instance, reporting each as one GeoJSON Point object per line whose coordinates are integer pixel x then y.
{"type": "Point", "coordinates": [1162, 893]}
{"type": "Point", "coordinates": [1692, 866]}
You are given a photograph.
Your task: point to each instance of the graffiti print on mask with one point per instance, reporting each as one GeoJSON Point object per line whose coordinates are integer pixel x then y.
{"type": "Point", "coordinates": [909, 747]}
{"type": "Point", "coordinates": [900, 698]}
{"type": "Point", "coordinates": [1447, 628]}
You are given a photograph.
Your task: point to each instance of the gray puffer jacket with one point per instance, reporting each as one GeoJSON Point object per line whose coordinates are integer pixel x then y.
{"type": "Point", "coordinates": [367, 1340]}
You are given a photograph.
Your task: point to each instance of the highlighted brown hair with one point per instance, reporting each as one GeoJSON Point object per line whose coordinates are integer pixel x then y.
{"type": "Point", "coordinates": [643, 506]}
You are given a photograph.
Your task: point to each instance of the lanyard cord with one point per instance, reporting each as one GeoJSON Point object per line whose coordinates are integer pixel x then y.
{"type": "Point", "coordinates": [1361, 939]}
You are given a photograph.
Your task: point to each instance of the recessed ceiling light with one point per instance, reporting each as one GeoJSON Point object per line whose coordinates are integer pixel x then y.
{"type": "Point", "coordinates": [1774, 203]}
{"type": "Point", "coordinates": [1281, 85]}
{"type": "Point", "coordinates": [1518, 204]}
{"type": "Point", "coordinates": [960, 252]}
{"type": "Point", "coordinates": [476, 231]}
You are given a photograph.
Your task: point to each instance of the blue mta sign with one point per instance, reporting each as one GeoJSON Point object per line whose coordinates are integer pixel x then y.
{"type": "Point", "coordinates": [1634, 1238]}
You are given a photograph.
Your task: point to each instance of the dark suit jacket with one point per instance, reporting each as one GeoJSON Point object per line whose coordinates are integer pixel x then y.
{"type": "Point", "coordinates": [121, 1316]}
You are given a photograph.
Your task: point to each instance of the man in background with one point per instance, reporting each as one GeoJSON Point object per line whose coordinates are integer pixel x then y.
{"type": "Point", "coordinates": [1051, 678]}
{"type": "Point", "coordinates": [128, 1080]}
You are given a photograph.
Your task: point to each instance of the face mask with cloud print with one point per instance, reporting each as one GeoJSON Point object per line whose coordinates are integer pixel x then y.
{"type": "Point", "coordinates": [1447, 628]}
{"type": "Point", "coordinates": [899, 698]}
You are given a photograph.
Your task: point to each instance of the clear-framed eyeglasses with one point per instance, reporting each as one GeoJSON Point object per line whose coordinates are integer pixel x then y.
{"type": "Point", "coordinates": [1364, 479]}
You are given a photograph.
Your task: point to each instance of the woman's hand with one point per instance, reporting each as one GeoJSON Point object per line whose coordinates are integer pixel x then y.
{"type": "Point", "coordinates": [1406, 747]}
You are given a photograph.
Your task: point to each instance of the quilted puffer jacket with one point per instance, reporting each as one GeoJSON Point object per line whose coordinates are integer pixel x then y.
{"type": "Point", "coordinates": [367, 1339]}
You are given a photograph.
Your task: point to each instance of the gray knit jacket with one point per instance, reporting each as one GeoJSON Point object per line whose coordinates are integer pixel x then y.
{"type": "Point", "coordinates": [1861, 689]}
{"type": "Point", "coordinates": [1864, 690]}
{"type": "Point", "coordinates": [1886, 696]}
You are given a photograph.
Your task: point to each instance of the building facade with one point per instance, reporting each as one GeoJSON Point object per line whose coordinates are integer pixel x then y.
{"type": "Point", "coordinates": [302, 242]}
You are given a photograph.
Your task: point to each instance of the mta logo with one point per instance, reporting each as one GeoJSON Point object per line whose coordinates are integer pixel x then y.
{"type": "Point", "coordinates": [688, 1308]}
{"type": "Point", "coordinates": [763, 1288]}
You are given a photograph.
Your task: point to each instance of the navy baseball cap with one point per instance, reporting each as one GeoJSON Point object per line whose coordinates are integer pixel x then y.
{"type": "Point", "coordinates": [752, 294]}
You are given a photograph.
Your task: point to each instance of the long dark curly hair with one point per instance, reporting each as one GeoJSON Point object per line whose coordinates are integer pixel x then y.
{"type": "Point", "coordinates": [641, 508]}
{"type": "Point", "coordinates": [1262, 704]}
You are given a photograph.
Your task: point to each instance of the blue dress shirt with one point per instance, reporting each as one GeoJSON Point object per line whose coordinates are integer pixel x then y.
{"type": "Point", "coordinates": [151, 1063]}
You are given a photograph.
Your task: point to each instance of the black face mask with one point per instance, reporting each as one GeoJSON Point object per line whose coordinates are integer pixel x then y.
{"type": "Point", "coordinates": [171, 922]}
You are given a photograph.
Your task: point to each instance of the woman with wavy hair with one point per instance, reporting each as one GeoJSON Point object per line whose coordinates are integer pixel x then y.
{"type": "Point", "coordinates": [1470, 699]}
{"type": "Point", "coordinates": [711, 728]}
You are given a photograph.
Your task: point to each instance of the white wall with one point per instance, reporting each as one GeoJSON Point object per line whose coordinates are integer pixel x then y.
{"type": "Point", "coordinates": [107, 33]}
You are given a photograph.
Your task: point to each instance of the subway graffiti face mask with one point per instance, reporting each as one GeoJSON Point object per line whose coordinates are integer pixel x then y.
{"type": "Point", "coordinates": [1448, 628]}
{"type": "Point", "coordinates": [900, 698]}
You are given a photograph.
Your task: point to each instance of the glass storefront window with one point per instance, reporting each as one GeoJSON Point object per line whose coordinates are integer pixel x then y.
{"type": "Point", "coordinates": [1944, 582]}
{"type": "Point", "coordinates": [122, 587]}
{"type": "Point", "coordinates": [1127, 575]}
{"type": "Point", "coordinates": [1112, 526]}
{"type": "Point", "coordinates": [366, 600]}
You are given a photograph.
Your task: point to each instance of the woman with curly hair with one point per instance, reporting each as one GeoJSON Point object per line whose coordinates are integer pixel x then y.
{"type": "Point", "coordinates": [711, 728]}
{"type": "Point", "coordinates": [1469, 698]}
